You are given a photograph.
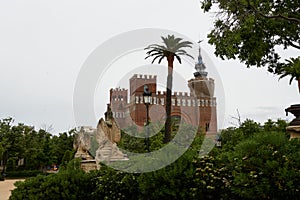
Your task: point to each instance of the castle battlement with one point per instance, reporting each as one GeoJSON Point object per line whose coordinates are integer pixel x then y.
{"type": "Point", "coordinates": [118, 94]}
{"type": "Point", "coordinates": [118, 89]}
{"type": "Point", "coordinates": [144, 76]}
{"type": "Point", "coordinates": [201, 79]}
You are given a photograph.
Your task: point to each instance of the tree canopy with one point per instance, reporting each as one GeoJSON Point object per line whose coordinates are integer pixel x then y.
{"type": "Point", "coordinates": [256, 31]}
{"type": "Point", "coordinates": [35, 150]}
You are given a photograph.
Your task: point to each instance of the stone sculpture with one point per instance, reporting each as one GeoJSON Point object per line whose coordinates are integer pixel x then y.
{"type": "Point", "coordinates": [108, 134]}
{"type": "Point", "coordinates": [82, 143]}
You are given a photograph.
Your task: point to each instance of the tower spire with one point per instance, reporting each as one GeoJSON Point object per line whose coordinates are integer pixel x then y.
{"type": "Point", "coordinates": [200, 66]}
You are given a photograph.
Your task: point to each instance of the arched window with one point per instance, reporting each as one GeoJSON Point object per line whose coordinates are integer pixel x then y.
{"type": "Point", "coordinates": [206, 127]}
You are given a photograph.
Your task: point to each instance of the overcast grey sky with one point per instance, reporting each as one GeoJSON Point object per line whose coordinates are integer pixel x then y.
{"type": "Point", "coordinates": [43, 45]}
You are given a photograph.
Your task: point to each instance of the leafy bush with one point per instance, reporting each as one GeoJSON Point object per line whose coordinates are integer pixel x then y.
{"type": "Point", "coordinates": [72, 183]}
{"type": "Point", "coordinates": [113, 184]}
{"type": "Point", "coordinates": [266, 166]}
{"type": "Point", "coordinates": [23, 173]}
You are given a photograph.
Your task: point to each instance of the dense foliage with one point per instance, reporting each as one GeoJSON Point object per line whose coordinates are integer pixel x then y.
{"type": "Point", "coordinates": [256, 31]}
{"type": "Point", "coordinates": [71, 183]}
{"type": "Point", "coordinates": [24, 148]}
{"type": "Point", "coordinates": [255, 162]}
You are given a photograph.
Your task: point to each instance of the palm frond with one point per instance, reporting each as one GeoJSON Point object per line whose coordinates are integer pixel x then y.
{"type": "Point", "coordinates": [185, 54]}
{"type": "Point", "coordinates": [159, 61]}
{"type": "Point", "coordinates": [291, 80]}
{"type": "Point", "coordinates": [178, 58]}
{"type": "Point", "coordinates": [153, 51]}
{"type": "Point", "coordinates": [172, 46]}
{"type": "Point", "coordinates": [290, 68]}
{"type": "Point", "coordinates": [156, 58]}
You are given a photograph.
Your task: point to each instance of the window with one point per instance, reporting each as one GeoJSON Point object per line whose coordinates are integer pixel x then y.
{"type": "Point", "coordinates": [178, 102]}
{"type": "Point", "coordinates": [206, 126]}
{"type": "Point", "coordinates": [214, 103]}
{"type": "Point", "coordinates": [173, 102]}
{"type": "Point", "coordinates": [188, 102]}
{"type": "Point", "coordinates": [137, 100]}
{"type": "Point", "coordinates": [183, 102]}
{"type": "Point", "coordinates": [141, 98]}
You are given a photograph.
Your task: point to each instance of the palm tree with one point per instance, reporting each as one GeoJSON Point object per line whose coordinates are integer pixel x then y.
{"type": "Point", "coordinates": [172, 48]}
{"type": "Point", "coordinates": [292, 69]}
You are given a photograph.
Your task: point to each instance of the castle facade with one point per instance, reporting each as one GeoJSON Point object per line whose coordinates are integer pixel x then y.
{"type": "Point", "coordinates": [198, 107]}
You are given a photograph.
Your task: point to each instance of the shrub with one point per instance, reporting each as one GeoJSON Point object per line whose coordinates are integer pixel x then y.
{"type": "Point", "coordinates": [72, 183]}
{"type": "Point", "coordinates": [23, 173]}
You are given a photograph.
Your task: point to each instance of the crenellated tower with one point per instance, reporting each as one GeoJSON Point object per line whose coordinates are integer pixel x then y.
{"type": "Point", "coordinates": [118, 104]}
{"type": "Point", "coordinates": [137, 110]}
{"type": "Point", "coordinates": [202, 87]}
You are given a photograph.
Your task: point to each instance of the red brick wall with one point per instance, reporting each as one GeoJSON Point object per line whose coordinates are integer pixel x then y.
{"type": "Point", "coordinates": [198, 110]}
{"type": "Point", "coordinates": [137, 83]}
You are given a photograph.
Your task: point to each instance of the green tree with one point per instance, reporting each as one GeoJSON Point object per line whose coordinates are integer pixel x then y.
{"type": "Point", "coordinates": [172, 48]}
{"type": "Point", "coordinates": [275, 126]}
{"type": "Point", "coordinates": [60, 144]}
{"type": "Point", "coordinates": [254, 31]}
{"type": "Point", "coordinates": [11, 142]}
{"type": "Point", "coordinates": [250, 127]}
{"type": "Point", "coordinates": [37, 149]}
{"type": "Point", "coordinates": [113, 184]}
{"type": "Point", "coordinates": [265, 166]}
{"type": "Point", "coordinates": [132, 140]}
{"type": "Point", "coordinates": [68, 156]}
{"type": "Point", "coordinates": [132, 143]}
{"type": "Point", "coordinates": [175, 181]}
{"type": "Point", "coordinates": [72, 183]}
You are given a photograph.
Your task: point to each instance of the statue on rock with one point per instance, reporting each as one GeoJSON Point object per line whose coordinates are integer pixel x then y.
{"type": "Point", "coordinates": [83, 146]}
{"type": "Point", "coordinates": [82, 143]}
{"type": "Point", "coordinates": [108, 134]}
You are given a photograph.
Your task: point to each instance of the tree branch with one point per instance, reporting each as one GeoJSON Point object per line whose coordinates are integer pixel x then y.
{"type": "Point", "coordinates": [293, 45]}
{"type": "Point", "coordinates": [296, 20]}
{"type": "Point", "coordinates": [279, 16]}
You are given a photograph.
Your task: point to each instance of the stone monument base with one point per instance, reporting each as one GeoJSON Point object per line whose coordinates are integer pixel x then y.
{"type": "Point", "coordinates": [88, 165]}
{"type": "Point", "coordinates": [294, 131]}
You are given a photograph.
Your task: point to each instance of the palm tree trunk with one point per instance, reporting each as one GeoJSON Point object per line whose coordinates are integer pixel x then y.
{"type": "Point", "coordinates": [168, 127]}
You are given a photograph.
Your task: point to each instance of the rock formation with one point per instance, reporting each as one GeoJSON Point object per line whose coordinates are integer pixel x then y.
{"type": "Point", "coordinates": [82, 143]}
{"type": "Point", "coordinates": [108, 134]}
{"type": "Point", "coordinates": [99, 145]}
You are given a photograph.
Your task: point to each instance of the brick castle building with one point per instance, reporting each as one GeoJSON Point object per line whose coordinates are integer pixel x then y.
{"type": "Point", "coordinates": [198, 107]}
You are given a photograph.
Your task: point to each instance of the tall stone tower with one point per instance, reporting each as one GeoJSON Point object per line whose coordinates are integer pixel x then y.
{"type": "Point", "coordinates": [118, 103]}
{"type": "Point", "coordinates": [202, 87]}
{"type": "Point", "coordinates": [137, 108]}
